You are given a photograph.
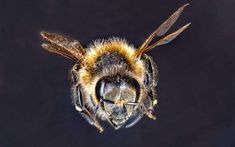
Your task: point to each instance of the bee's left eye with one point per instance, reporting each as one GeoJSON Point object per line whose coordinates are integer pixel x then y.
{"type": "Point", "coordinates": [107, 91]}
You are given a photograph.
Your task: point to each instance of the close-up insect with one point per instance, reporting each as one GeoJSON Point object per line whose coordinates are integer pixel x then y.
{"type": "Point", "coordinates": [112, 80]}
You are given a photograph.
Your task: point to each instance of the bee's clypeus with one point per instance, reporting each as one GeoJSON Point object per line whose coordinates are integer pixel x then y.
{"type": "Point", "coordinates": [111, 80]}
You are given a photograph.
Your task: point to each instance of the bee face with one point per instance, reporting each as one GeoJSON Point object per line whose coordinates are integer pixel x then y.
{"type": "Point", "coordinates": [111, 87]}
{"type": "Point", "coordinates": [112, 80]}
{"type": "Point", "coordinates": [117, 94]}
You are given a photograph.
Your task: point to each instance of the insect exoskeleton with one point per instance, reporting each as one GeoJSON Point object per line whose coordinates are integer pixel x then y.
{"type": "Point", "coordinates": [115, 82]}
{"type": "Point", "coordinates": [112, 80]}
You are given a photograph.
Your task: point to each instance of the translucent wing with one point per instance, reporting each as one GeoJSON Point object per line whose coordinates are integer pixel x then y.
{"type": "Point", "coordinates": [168, 38]}
{"type": "Point", "coordinates": [161, 30]}
{"type": "Point", "coordinates": [61, 45]}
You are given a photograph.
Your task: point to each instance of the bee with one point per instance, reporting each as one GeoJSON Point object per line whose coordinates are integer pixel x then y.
{"type": "Point", "coordinates": [112, 80]}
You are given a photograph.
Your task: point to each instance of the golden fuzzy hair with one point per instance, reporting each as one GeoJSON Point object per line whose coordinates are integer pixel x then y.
{"type": "Point", "coordinates": [101, 47]}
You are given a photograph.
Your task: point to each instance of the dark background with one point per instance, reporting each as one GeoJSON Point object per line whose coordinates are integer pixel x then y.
{"type": "Point", "coordinates": [197, 74]}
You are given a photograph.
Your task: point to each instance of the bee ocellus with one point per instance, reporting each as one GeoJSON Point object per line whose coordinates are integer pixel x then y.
{"type": "Point", "coordinates": [112, 80]}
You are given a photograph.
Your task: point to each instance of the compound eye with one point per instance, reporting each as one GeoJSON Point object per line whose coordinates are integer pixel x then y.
{"type": "Point", "coordinates": [106, 91]}
{"type": "Point", "coordinates": [101, 89]}
{"type": "Point", "coordinates": [111, 92]}
{"type": "Point", "coordinates": [112, 89]}
{"type": "Point", "coordinates": [129, 94]}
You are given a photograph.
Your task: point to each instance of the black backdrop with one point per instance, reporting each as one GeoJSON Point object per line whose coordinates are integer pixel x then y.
{"type": "Point", "coordinates": [197, 75]}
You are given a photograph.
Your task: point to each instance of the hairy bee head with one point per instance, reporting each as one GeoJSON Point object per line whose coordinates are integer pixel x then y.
{"type": "Point", "coordinates": [112, 78]}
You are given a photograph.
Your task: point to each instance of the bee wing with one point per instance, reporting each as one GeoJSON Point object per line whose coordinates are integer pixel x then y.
{"type": "Point", "coordinates": [55, 49]}
{"type": "Point", "coordinates": [161, 30]}
{"type": "Point", "coordinates": [168, 38]}
{"type": "Point", "coordinates": [61, 45]}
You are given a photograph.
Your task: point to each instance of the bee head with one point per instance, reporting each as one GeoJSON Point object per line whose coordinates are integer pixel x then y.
{"type": "Point", "coordinates": [116, 93]}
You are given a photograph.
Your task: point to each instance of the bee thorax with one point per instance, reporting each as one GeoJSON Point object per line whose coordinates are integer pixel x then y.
{"type": "Point", "coordinates": [110, 60]}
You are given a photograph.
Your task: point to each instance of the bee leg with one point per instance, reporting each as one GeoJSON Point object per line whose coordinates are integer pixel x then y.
{"type": "Point", "coordinates": [149, 103]}
{"type": "Point", "coordinates": [87, 115]}
{"type": "Point", "coordinates": [152, 96]}
{"type": "Point", "coordinates": [151, 71]}
{"type": "Point", "coordinates": [101, 104]}
{"type": "Point", "coordinates": [135, 121]}
{"type": "Point", "coordinates": [76, 88]}
{"type": "Point", "coordinates": [116, 127]}
{"type": "Point", "coordinates": [147, 109]}
{"type": "Point", "coordinates": [150, 82]}
{"type": "Point", "coordinates": [149, 112]}
{"type": "Point", "coordinates": [142, 110]}
{"type": "Point", "coordinates": [79, 103]}
{"type": "Point", "coordinates": [84, 111]}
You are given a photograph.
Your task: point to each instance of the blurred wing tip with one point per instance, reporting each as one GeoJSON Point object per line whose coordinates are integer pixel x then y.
{"type": "Point", "coordinates": [44, 34]}
{"type": "Point", "coordinates": [180, 10]}
{"type": "Point", "coordinates": [185, 5]}
{"type": "Point", "coordinates": [187, 25]}
{"type": "Point", "coordinates": [45, 46]}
